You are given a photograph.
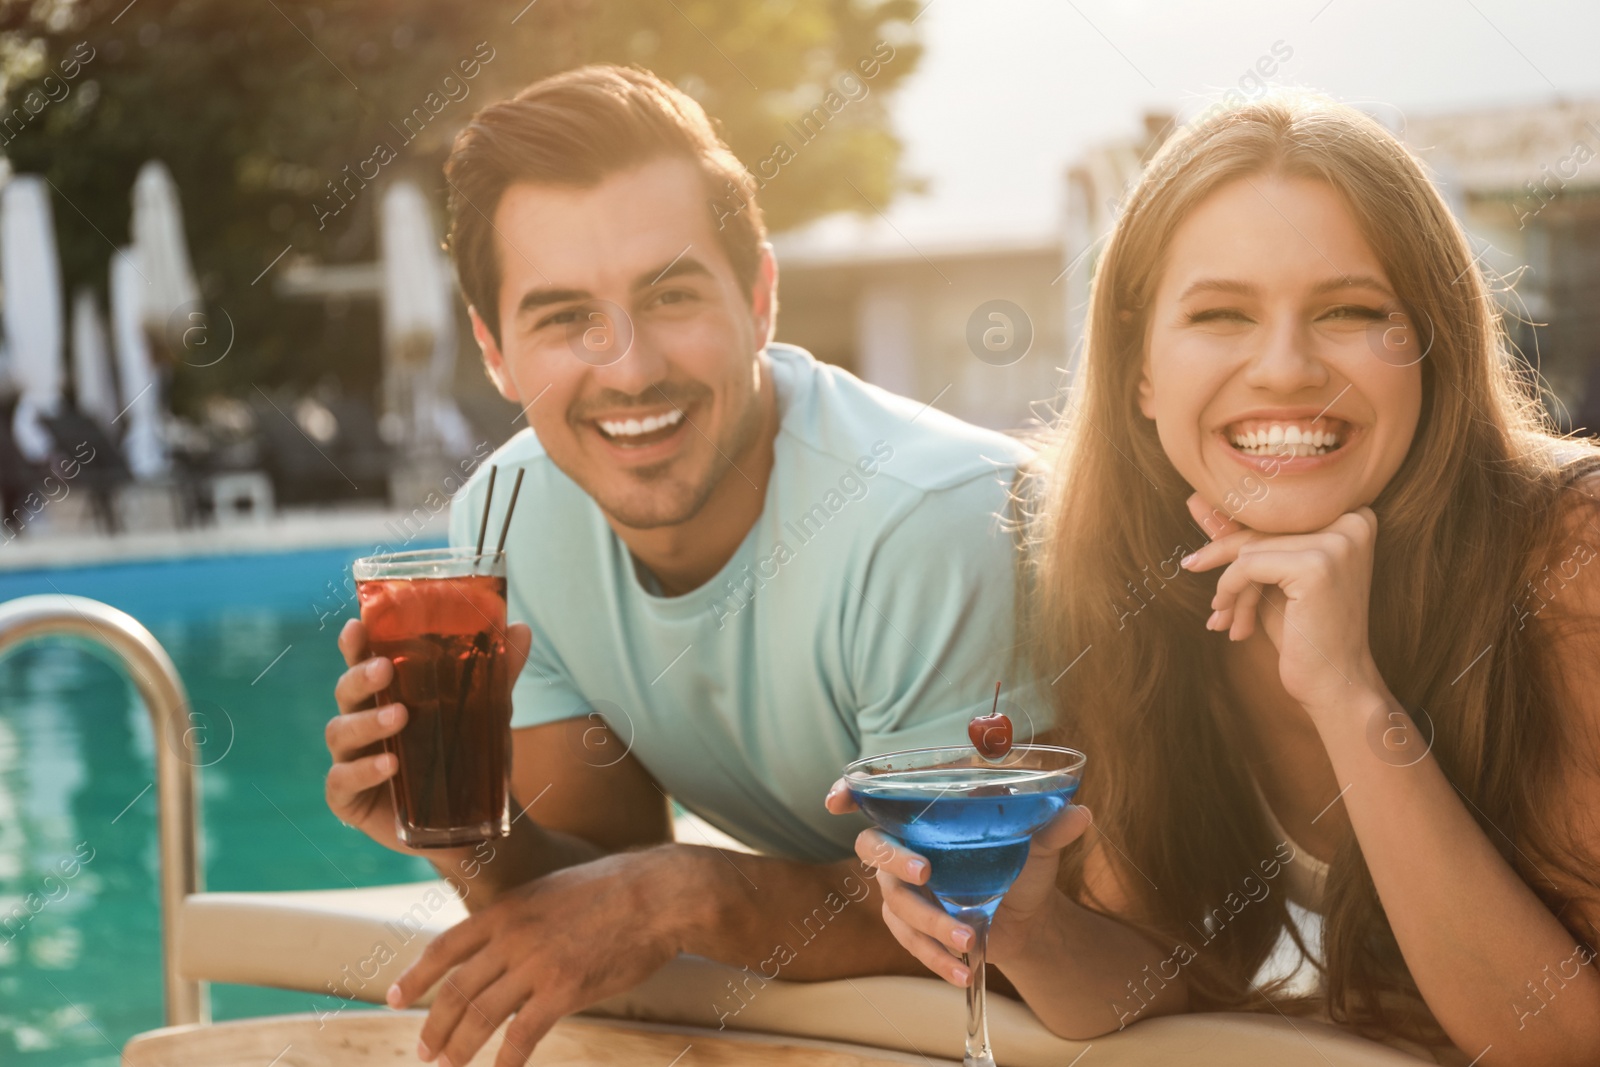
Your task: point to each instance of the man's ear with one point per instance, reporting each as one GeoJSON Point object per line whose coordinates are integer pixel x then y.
{"type": "Point", "coordinates": [764, 296]}
{"type": "Point", "coordinates": [493, 362]}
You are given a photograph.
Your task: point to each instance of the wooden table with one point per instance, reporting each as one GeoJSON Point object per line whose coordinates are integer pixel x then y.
{"type": "Point", "coordinates": [371, 1038]}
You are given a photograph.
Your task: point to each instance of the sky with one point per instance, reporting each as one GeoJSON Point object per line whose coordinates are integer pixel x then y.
{"type": "Point", "coordinates": [1009, 92]}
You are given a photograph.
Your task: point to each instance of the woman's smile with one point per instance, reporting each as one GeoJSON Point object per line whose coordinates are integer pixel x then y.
{"type": "Point", "coordinates": [1288, 441]}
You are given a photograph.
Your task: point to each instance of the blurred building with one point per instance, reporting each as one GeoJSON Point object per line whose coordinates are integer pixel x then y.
{"type": "Point", "coordinates": [1526, 183]}
{"type": "Point", "coordinates": [975, 326]}
{"type": "Point", "coordinates": [983, 326]}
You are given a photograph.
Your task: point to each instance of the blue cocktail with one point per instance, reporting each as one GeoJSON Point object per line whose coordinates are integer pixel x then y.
{"type": "Point", "coordinates": [972, 818]}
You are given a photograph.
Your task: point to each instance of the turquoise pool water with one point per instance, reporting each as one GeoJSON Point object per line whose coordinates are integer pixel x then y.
{"type": "Point", "coordinates": [253, 636]}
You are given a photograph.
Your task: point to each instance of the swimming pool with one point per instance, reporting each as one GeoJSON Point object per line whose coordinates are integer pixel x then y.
{"type": "Point", "coordinates": [253, 636]}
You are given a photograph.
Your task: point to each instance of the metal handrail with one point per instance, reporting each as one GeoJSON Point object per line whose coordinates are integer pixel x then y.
{"type": "Point", "coordinates": [151, 670]}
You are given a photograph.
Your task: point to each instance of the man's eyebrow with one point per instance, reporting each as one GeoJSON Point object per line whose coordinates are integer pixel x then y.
{"type": "Point", "coordinates": [538, 298]}
{"type": "Point", "coordinates": [677, 268]}
{"type": "Point", "coordinates": [683, 266]}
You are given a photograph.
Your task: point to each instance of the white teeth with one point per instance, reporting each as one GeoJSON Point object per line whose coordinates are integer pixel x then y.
{"type": "Point", "coordinates": [1286, 441]}
{"type": "Point", "coordinates": [638, 427]}
{"type": "Point", "coordinates": [1304, 448]}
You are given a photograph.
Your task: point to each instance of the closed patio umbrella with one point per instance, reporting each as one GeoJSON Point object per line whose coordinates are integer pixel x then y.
{"type": "Point", "coordinates": [93, 385]}
{"type": "Point", "coordinates": [167, 278]}
{"type": "Point", "coordinates": [31, 274]}
{"type": "Point", "coordinates": [416, 307]}
{"type": "Point", "coordinates": [143, 446]}
{"type": "Point", "coordinates": [419, 328]}
{"type": "Point", "coordinates": [450, 427]}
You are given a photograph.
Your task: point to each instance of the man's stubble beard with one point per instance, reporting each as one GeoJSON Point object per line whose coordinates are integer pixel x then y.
{"type": "Point", "coordinates": [685, 501]}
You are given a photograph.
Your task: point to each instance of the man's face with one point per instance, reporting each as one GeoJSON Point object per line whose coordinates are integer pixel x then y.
{"type": "Point", "coordinates": [626, 338]}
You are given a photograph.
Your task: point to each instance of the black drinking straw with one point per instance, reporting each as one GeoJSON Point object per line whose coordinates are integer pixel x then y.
{"type": "Point", "coordinates": [483, 527]}
{"type": "Point", "coordinates": [443, 803]}
{"type": "Point", "coordinates": [505, 527]}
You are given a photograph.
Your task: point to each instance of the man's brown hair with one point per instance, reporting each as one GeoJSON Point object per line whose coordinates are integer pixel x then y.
{"type": "Point", "coordinates": [576, 129]}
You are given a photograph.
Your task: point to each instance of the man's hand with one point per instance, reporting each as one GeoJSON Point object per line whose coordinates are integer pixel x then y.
{"type": "Point", "coordinates": [357, 787]}
{"type": "Point", "coordinates": [542, 951]}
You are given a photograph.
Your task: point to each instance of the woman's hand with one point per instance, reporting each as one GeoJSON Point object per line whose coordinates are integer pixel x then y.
{"type": "Point", "coordinates": [926, 930]}
{"type": "Point", "coordinates": [1311, 594]}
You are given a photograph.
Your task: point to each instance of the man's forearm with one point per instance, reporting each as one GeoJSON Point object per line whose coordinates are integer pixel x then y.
{"type": "Point", "coordinates": [481, 873]}
{"type": "Point", "coordinates": [777, 918]}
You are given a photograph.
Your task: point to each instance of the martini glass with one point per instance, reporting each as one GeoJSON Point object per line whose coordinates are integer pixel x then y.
{"type": "Point", "coordinates": [972, 818]}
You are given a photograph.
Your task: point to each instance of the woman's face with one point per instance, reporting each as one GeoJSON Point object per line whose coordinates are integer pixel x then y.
{"type": "Point", "coordinates": [1284, 379]}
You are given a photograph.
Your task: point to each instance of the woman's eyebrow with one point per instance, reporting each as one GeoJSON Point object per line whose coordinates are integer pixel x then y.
{"type": "Point", "coordinates": [1243, 288]}
{"type": "Point", "coordinates": [1220, 285]}
{"type": "Point", "coordinates": [1353, 281]}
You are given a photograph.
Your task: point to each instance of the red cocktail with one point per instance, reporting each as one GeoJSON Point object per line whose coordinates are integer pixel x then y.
{"type": "Point", "coordinates": [440, 616]}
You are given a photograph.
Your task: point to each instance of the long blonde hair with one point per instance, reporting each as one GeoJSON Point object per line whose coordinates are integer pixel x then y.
{"type": "Point", "coordinates": [1463, 529]}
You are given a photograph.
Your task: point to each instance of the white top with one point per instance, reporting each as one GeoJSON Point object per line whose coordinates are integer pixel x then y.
{"type": "Point", "coordinates": [1304, 875]}
{"type": "Point", "coordinates": [1304, 878]}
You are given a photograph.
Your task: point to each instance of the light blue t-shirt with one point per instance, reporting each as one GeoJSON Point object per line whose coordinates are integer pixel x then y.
{"type": "Point", "coordinates": [869, 609]}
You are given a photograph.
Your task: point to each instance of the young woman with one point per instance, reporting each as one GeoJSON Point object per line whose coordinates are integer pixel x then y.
{"type": "Point", "coordinates": [1320, 569]}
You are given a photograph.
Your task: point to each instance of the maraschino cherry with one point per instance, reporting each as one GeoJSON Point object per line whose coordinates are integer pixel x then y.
{"type": "Point", "coordinates": [991, 733]}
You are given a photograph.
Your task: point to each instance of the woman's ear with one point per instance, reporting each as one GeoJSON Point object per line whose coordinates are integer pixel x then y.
{"type": "Point", "coordinates": [1147, 391]}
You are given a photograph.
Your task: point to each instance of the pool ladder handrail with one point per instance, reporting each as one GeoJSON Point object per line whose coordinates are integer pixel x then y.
{"type": "Point", "coordinates": [155, 677]}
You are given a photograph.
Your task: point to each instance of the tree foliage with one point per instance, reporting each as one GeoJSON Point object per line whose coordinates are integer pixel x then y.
{"type": "Point", "coordinates": [260, 106]}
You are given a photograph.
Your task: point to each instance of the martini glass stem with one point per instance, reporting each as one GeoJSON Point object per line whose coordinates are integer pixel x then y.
{"type": "Point", "coordinates": [978, 1053]}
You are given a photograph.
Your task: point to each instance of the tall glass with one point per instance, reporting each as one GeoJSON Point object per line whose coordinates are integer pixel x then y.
{"type": "Point", "coordinates": [440, 616]}
{"type": "Point", "coordinates": [972, 818]}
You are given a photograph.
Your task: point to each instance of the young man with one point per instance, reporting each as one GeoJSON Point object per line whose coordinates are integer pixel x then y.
{"type": "Point", "coordinates": [738, 569]}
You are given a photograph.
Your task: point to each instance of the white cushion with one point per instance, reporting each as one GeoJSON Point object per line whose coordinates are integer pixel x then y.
{"type": "Point", "coordinates": [387, 1039]}
{"type": "Point", "coordinates": [352, 943]}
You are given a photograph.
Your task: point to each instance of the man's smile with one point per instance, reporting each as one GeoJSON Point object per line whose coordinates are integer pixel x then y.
{"type": "Point", "coordinates": [632, 431]}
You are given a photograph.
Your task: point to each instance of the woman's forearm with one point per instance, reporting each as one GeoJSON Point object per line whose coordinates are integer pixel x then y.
{"type": "Point", "coordinates": [1502, 976]}
{"type": "Point", "coordinates": [1085, 975]}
